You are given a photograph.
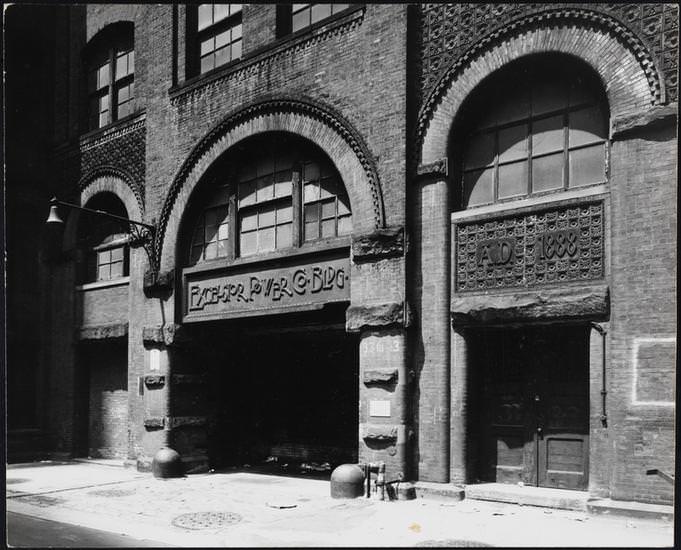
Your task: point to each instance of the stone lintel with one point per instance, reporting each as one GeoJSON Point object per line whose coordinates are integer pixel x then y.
{"type": "Point", "coordinates": [656, 116]}
{"type": "Point", "coordinates": [102, 332]}
{"type": "Point", "coordinates": [167, 335]}
{"type": "Point", "coordinates": [154, 381]}
{"type": "Point", "coordinates": [382, 243]}
{"type": "Point", "coordinates": [368, 316]}
{"type": "Point", "coordinates": [592, 302]}
{"type": "Point", "coordinates": [155, 423]}
{"type": "Point", "coordinates": [380, 376]}
{"type": "Point", "coordinates": [380, 433]}
{"type": "Point", "coordinates": [433, 170]}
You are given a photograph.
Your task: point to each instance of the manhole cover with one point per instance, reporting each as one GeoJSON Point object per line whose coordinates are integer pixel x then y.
{"type": "Point", "coordinates": [452, 543]}
{"type": "Point", "coordinates": [112, 492]}
{"type": "Point", "coordinates": [206, 520]}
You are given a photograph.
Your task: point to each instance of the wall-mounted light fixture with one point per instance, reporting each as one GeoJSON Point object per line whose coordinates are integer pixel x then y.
{"type": "Point", "coordinates": [141, 234]}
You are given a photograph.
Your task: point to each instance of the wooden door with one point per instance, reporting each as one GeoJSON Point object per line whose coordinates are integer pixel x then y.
{"type": "Point", "coordinates": [533, 405]}
{"type": "Point", "coordinates": [562, 418]}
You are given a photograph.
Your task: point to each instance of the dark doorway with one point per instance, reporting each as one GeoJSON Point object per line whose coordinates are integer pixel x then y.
{"type": "Point", "coordinates": [287, 395]}
{"type": "Point", "coordinates": [532, 405]}
{"type": "Point", "coordinates": [102, 394]}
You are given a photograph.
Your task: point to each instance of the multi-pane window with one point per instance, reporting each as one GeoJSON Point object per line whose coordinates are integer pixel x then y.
{"type": "Point", "coordinates": [277, 198]}
{"type": "Point", "coordinates": [265, 191]}
{"type": "Point", "coordinates": [541, 131]}
{"type": "Point", "coordinates": [105, 241]}
{"type": "Point", "coordinates": [111, 83]}
{"type": "Point", "coordinates": [305, 15]}
{"type": "Point", "coordinates": [326, 209]}
{"type": "Point", "coordinates": [219, 35]}
{"type": "Point", "coordinates": [211, 233]}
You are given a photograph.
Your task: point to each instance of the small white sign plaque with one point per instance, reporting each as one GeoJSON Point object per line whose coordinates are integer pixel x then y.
{"type": "Point", "coordinates": [379, 408]}
{"type": "Point", "coordinates": [154, 360]}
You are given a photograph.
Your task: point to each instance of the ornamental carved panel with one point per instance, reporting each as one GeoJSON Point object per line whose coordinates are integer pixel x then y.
{"type": "Point", "coordinates": [557, 245]}
{"type": "Point", "coordinates": [449, 30]}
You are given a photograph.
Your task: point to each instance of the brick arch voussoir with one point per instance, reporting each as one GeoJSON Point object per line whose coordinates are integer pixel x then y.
{"type": "Point", "coordinates": [289, 114]}
{"type": "Point", "coordinates": [576, 20]}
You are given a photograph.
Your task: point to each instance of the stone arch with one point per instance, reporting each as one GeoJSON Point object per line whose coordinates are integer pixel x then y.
{"type": "Point", "coordinates": [627, 70]}
{"type": "Point", "coordinates": [104, 180]}
{"type": "Point", "coordinates": [305, 118]}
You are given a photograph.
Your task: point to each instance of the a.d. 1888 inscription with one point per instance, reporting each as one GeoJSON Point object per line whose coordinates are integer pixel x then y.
{"type": "Point", "coordinates": [229, 294]}
{"type": "Point", "coordinates": [549, 246]}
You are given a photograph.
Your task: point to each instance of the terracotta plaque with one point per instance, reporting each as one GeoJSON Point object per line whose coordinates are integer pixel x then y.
{"type": "Point", "coordinates": [224, 294]}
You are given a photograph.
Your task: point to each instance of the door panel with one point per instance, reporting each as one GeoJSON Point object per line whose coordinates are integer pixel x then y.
{"type": "Point", "coordinates": [534, 405]}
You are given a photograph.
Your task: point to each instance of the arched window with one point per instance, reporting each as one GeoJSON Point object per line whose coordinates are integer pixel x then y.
{"type": "Point", "coordinates": [276, 193]}
{"type": "Point", "coordinates": [538, 126]}
{"type": "Point", "coordinates": [110, 67]}
{"type": "Point", "coordinates": [103, 240]}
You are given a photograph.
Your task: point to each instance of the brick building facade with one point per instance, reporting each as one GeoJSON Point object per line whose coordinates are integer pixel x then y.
{"type": "Point", "coordinates": [438, 236]}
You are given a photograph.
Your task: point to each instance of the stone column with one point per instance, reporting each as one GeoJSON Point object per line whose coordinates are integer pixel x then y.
{"type": "Point", "coordinates": [458, 471]}
{"type": "Point", "coordinates": [380, 314]}
{"type": "Point", "coordinates": [431, 301]}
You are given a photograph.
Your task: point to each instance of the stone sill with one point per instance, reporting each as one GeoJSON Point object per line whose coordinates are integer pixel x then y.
{"type": "Point", "coordinates": [103, 284]}
{"type": "Point", "coordinates": [260, 55]}
{"type": "Point", "coordinates": [550, 200]}
{"type": "Point", "coordinates": [320, 247]}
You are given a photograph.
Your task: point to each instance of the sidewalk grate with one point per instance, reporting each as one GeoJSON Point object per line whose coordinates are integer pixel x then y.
{"type": "Point", "coordinates": [206, 520]}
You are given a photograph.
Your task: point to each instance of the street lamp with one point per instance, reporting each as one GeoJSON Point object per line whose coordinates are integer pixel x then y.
{"type": "Point", "coordinates": [141, 234]}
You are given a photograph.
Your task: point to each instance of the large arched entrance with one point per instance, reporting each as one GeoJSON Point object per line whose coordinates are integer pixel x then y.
{"type": "Point", "coordinates": [265, 245]}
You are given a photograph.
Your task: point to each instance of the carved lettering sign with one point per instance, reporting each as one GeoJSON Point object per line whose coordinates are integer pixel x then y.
{"type": "Point", "coordinates": [556, 245]}
{"type": "Point", "coordinates": [233, 294]}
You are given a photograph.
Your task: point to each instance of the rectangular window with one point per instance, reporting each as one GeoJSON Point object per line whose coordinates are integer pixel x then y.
{"type": "Point", "coordinates": [325, 206]}
{"type": "Point", "coordinates": [306, 15]}
{"type": "Point", "coordinates": [219, 35]}
{"type": "Point", "coordinates": [106, 265]}
{"type": "Point", "coordinates": [111, 85]}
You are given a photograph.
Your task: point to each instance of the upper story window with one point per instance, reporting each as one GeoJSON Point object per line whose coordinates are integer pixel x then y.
{"type": "Point", "coordinates": [281, 193]}
{"type": "Point", "coordinates": [295, 17]}
{"type": "Point", "coordinates": [538, 127]}
{"type": "Point", "coordinates": [111, 79]}
{"type": "Point", "coordinates": [218, 38]}
{"type": "Point", "coordinates": [306, 15]}
{"type": "Point", "coordinates": [104, 241]}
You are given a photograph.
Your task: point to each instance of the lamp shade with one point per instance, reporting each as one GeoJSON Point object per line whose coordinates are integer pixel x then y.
{"type": "Point", "coordinates": [53, 217]}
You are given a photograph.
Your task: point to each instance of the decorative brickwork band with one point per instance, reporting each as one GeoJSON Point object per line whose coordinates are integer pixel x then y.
{"type": "Point", "coordinates": [103, 332]}
{"type": "Point", "coordinates": [592, 302]}
{"type": "Point", "coordinates": [556, 245]}
{"type": "Point", "coordinates": [381, 244]}
{"type": "Point", "coordinates": [168, 335]}
{"type": "Point", "coordinates": [297, 106]}
{"type": "Point", "coordinates": [437, 169]}
{"type": "Point", "coordinates": [518, 21]}
{"type": "Point", "coordinates": [376, 316]}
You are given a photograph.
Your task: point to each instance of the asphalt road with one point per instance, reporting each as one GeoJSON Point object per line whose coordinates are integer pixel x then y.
{"type": "Point", "coordinates": [28, 532]}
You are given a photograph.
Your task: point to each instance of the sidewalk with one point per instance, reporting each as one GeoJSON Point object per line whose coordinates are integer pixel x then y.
{"type": "Point", "coordinates": [249, 509]}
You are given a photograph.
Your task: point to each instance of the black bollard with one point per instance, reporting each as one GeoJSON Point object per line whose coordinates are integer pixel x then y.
{"type": "Point", "coordinates": [167, 463]}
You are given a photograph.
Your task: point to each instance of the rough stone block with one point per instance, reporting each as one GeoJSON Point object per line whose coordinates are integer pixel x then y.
{"type": "Point", "coordinates": [384, 243]}
{"type": "Point", "coordinates": [375, 315]}
{"type": "Point", "coordinates": [380, 376]}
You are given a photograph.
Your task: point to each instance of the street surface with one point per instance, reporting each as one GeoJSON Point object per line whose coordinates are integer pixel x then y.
{"type": "Point", "coordinates": [28, 532]}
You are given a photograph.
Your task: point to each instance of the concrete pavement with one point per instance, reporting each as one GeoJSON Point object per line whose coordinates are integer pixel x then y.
{"type": "Point", "coordinates": [240, 508]}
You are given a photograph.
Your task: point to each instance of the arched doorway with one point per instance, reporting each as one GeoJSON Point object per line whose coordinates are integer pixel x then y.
{"type": "Point", "coordinates": [528, 150]}
{"type": "Point", "coordinates": [265, 247]}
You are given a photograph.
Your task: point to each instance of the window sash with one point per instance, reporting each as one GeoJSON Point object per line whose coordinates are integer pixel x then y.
{"type": "Point", "coordinates": [219, 38]}
{"type": "Point", "coordinates": [111, 87]}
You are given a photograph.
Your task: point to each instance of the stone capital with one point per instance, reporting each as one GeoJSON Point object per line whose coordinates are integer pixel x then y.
{"type": "Point", "coordinates": [382, 243]}
{"type": "Point", "coordinates": [433, 170]}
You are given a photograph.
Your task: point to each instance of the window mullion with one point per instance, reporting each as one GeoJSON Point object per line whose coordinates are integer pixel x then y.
{"type": "Point", "coordinates": [297, 200]}
{"type": "Point", "coordinates": [566, 150]}
{"type": "Point", "coordinates": [496, 166]}
{"type": "Point", "coordinates": [112, 84]}
{"type": "Point", "coordinates": [530, 130]}
{"type": "Point", "coordinates": [233, 218]}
